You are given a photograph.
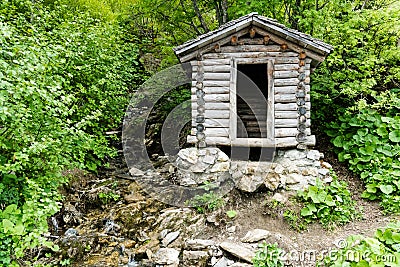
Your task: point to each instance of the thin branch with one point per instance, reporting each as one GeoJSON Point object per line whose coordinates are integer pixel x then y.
{"type": "Point", "coordinates": [202, 22]}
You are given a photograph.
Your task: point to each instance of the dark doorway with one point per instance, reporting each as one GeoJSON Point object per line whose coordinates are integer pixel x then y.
{"type": "Point", "coordinates": [252, 95]}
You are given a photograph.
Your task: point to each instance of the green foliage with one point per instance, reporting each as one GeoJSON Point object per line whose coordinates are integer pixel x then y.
{"type": "Point", "coordinates": [329, 204]}
{"type": "Point", "coordinates": [65, 79]}
{"type": "Point", "coordinates": [268, 255]}
{"type": "Point", "coordinates": [107, 197]}
{"type": "Point", "coordinates": [207, 202]}
{"type": "Point", "coordinates": [370, 143]}
{"type": "Point", "coordinates": [231, 214]}
{"type": "Point", "coordinates": [381, 250]}
{"type": "Point", "coordinates": [294, 219]}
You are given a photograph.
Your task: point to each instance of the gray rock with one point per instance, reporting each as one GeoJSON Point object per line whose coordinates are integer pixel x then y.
{"type": "Point", "coordinates": [237, 250]}
{"type": "Point", "coordinates": [295, 154]}
{"type": "Point", "coordinates": [167, 256]}
{"type": "Point", "coordinates": [223, 262]}
{"type": "Point", "coordinates": [279, 197]}
{"type": "Point", "coordinates": [326, 165]}
{"type": "Point", "coordinates": [164, 233]}
{"type": "Point", "coordinates": [310, 171]}
{"type": "Point", "coordinates": [313, 155]}
{"type": "Point", "coordinates": [293, 178]}
{"type": "Point", "coordinates": [249, 183]}
{"type": "Point", "coordinates": [323, 172]}
{"type": "Point", "coordinates": [195, 258]}
{"type": "Point", "coordinates": [231, 229]}
{"type": "Point", "coordinates": [279, 169]}
{"type": "Point", "coordinates": [208, 159]}
{"type": "Point", "coordinates": [222, 157]}
{"type": "Point", "coordinates": [136, 172]}
{"type": "Point", "coordinates": [272, 181]}
{"type": "Point", "coordinates": [255, 235]}
{"type": "Point", "coordinates": [169, 238]}
{"type": "Point", "coordinates": [71, 232]}
{"type": "Point", "coordinates": [220, 167]}
{"type": "Point", "coordinates": [199, 244]}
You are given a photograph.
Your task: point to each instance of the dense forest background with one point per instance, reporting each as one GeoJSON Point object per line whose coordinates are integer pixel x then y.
{"type": "Point", "coordinates": [68, 69]}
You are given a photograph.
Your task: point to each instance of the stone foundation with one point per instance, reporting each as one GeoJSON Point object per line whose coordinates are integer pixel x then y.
{"type": "Point", "coordinates": [291, 169]}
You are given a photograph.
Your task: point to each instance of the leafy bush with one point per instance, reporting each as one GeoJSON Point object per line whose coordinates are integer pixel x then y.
{"type": "Point", "coordinates": [370, 143]}
{"type": "Point", "coordinates": [65, 79]}
{"type": "Point", "coordinates": [381, 250]}
{"type": "Point", "coordinates": [329, 204]}
{"type": "Point", "coordinates": [268, 255]}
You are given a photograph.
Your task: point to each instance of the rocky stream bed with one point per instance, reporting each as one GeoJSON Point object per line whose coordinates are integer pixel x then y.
{"type": "Point", "coordinates": [108, 220]}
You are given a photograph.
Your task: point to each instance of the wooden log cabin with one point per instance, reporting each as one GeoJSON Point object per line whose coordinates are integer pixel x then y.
{"type": "Point", "coordinates": [250, 84]}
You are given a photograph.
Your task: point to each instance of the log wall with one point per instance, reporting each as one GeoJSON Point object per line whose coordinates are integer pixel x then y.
{"type": "Point", "coordinates": [288, 66]}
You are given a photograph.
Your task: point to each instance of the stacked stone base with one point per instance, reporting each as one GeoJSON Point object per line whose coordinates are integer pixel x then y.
{"type": "Point", "coordinates": [291, 169]}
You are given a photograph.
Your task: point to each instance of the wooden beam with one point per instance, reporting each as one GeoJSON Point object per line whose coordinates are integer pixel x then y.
{"type": "Point", "coordinates": [289, 114]}
{"type": "Point", "coordinates": [270, 101]}
{"type": "Point", "coordinates": [209, 83]}
{"type": "Point", "coordinates": [213, 98]}
{"type": "Point", "coordinates": [250, 48]}
{"type": "Point", "coordinates": [216, 76]}
{"type": "Point", "coordinates": [213, 123]}
{"type": "Point", "coordinates": [290, 106]}
{"type": "Point", "coordinates": [212, 90]}
{"type": "Point", "coordinates": [213, 114]}
{"type": "Point", "coordinates": [213, 106]}
{"type": "Point", "coordinates": [289, 123]}
{"type": "Point", "coordinates": [214, 68]}
{"type": "Point", "coordinates": [289, 132]}
{"type": "Point", "coordinates": [290, 45]}
{"type": "Point", "coordinates": [233, 100]}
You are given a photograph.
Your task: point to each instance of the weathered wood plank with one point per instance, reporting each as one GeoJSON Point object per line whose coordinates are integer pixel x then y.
{"type": "Point", "coordinates": [289, 55]}
{"type": "Point", "coordinates": [210, 83]}
{"type": "Point", "coordinates": [287, 132]}
{"type": "Point", "coordinates": [250, 41]}
{"type": "Point", "coordinates": [287, 60]}
{"type": "Point", "coordinates": [278, 67]}
{"type": "Point", "coordinates": [233, 100]}
{"type": "Point", "coordinates": [289, 114]}
{"type": "Point", "coordinates": [225, 141]}
{"type": "Point", "coordinates": [290, 44]}
{"type": "Point", "coordinates": [290, 106]}
{"type": "Point", "coordinates": [223, 39]}
{"type": "Point", "coordinates": [288, 89]}
{"type": "Point", "coordinates": [213, 123]}
{"type": "Point", "coordinates": [270, 102]}
{"type": "Point", "coordinates": [212, 90]}
{"type": "Point", "coordinates": [213, 114]}
{"type": "Point", "coordinates": [211, 62]}
{"type": "Point", "coordinates": [286, 82]}
{"type": "Point", "coordinates": [279, 74]}
{"type": "Point", "coordinates": [289, 123]}
{"type": "Point", "coordinates": [288, 98]}
{"type": "Point", "coordinates": [216, 132]}
{"type": "Point", "coordinates": [214, 76]}
{"type": "Point", "coordinates": [213, 106]}
{"type": "Point", "coordinates": [213, 98]}
{"type": "Point", "coordinates": [255, 142]}
{"type": "Point", "coordinates": [214, 68]}
{"type": "Point", "coordinates": [251, 48]}
{"type": "Point", "coordinates": [285, 90]}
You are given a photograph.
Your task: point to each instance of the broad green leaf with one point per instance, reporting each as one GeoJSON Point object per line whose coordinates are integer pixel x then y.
{"type": "Point", "coordinates": [394, 136]}
{"type": "Point", "coordinates": [8, 225]}
{"type": "Point", "coordinates": [386, 189]}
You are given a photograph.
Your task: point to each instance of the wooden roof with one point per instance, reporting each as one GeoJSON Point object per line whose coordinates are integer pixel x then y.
{"type": "Point", "coordinates": [205, 43]}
